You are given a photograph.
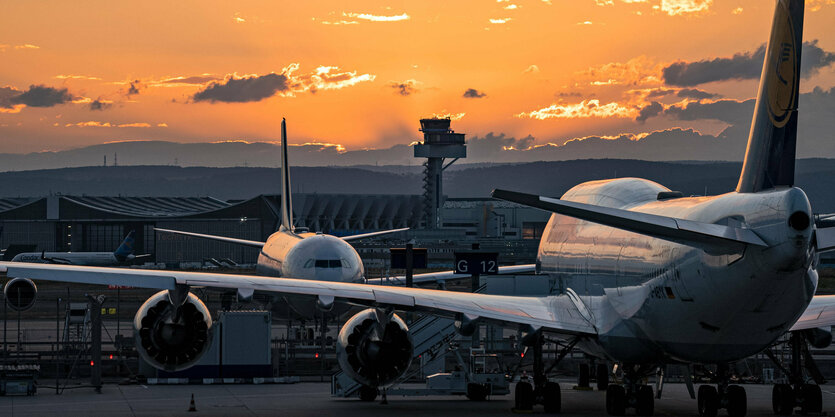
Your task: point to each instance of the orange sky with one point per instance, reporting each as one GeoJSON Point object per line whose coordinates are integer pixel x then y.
{"type": "Point", "coordinates": [355, 58]}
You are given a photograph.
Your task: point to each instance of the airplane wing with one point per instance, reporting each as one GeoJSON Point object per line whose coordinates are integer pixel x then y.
{"type": "Point", "coordinates": [245, 242]}
{"type": "Point", "coordinates": [825, 239]}
{"type": "Point", "coordinates": [820, 313]}
{"type": "Point", "coordinates": [372, 234]}
{"type": "Point", "coordinates": [708, 236]}
{"type": "Point", "coordinates": [556, 313]}
{"type": "Point", "coordinates": [433, 277]}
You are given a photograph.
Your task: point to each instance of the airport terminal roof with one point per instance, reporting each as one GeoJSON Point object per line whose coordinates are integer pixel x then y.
{"type": "Point", "coordinates": [7, 203]}
{"type": "Point", "coordinates": [150, 206]}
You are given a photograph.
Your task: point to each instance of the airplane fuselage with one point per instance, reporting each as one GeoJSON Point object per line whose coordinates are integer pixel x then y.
{"type": "Point", "coordinates": [72, 258]}
{"type": "Point", "coordinates": [310, 256]}
{"type": "Point", "coordinates": [652, 298]}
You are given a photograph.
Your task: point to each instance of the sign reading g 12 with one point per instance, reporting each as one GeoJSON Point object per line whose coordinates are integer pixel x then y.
{"type": "Point", "coordinates": [482, 263]}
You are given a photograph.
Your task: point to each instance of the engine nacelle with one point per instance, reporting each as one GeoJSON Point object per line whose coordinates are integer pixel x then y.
{"type": "Point", "coordinates": [374, 349]}
{"type": "Point", "coordinates": [172, 338]}
{"type": "Point", "coordinates": [20, 293]}
{"type": "Point", "coordinates": [819, 337]}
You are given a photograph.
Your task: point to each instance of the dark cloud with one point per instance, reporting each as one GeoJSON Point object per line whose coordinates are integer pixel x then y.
{"type": "Point", "coordinates": [6, 96]}
{"type": "Point", "coordinates": [134, 88]}
{"type": "Point", "coordinates": [406, 88]}
{"type": "Point", "coordinates": [243, 90]}
{"type": "Point", "coordinates": [570, 94]}
{"type": "Point", "coordinates": [99, 105]}
{"type": "Point", "coordinates": [742, 66]}
{"type": "Point", "coordinates": [660, 92]}
{"type": "Point", "coordinates": [473, 93]}
{"type": "Point", "coordinates": [695, 93]}
{"type": "Point", "coordinates": [42, 96]}
{"type": "Point", "coordinates": [728, 111]}
{"type": "Point", "coordinates": [652, 110]}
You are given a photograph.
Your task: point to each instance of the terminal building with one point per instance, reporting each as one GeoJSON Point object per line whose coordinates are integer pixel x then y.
{"type": "Point", "coordinates": [83, 223]}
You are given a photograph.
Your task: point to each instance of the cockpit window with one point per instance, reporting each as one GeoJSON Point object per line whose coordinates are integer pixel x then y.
{"type": "Point", "coordinates": [345, 263]}
{"type": "Point", "coordinates": [328, 263]}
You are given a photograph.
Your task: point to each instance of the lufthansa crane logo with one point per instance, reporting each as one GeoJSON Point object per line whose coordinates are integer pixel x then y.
{"type": "Point", "coordinates": [782, 76]}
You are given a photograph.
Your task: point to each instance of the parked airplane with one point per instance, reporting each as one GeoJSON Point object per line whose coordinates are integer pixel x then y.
{"type": "Point", "coordinates": [646, 277]}
{"type": "Point", "coordinates": [122, 254]}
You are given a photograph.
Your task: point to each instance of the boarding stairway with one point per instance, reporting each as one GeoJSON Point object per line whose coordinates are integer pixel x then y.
{"type": "Point", "coordinates": [430, 335]}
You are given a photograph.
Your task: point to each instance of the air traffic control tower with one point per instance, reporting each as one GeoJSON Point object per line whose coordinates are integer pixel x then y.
{"type": "Point", "coordinates": [439, 143]}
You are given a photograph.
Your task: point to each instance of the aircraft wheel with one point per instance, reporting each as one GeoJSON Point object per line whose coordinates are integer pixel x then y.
{"type": "Point", "coordinates": [646, 401]}
{"type": "Point", "coordinates": [812, 399]}
{"type": "Point", "coordinates": [524, 396]}
{"type": "Point", "coordinates": [737, 401]}
{"type": "Point", "coordinates": [782, 399]}
{"type": "Point", "coordinates": [615, 400]}
{"type": "Point", "coordinates": [583, 379]}
{"type": "Point", "coordinates": [368, 393]}
{"type": "Point", "coordinates": [602, 377]}
{"type": "Point", "coordinates": [708, 400]}
{"type": "Point", "coordinates": [551, 398]}
{"type": "Point", "coordinates": [476, 392]}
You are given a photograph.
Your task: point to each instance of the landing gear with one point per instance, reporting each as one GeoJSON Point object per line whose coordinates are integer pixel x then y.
{"type": "Point", "coordinates": [367, 393]}
{"type": "Point", "coordinates": [799, 393]}
{"type": "Point", "coordinates": [602, 377]}
{"type": "Point", "coordinates": [634, 394]}
{"type": "Point", "coordinates": [541, 391]}
{"type": "Point", "coordinates": [730, 397]}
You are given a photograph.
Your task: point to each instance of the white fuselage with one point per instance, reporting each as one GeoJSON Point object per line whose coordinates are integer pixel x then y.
{"type": "Point", "coordinates": [72, 258]}
{"type": "Point", "coordinates": [653, 299]}
{"type": "Point", "coordinates": [310, 256]}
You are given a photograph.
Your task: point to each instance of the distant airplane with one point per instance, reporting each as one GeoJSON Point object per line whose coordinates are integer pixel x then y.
{"type": "Point", "coordinates": [123, 254]}
{"type": "Point", "coordinates": [645, 278]}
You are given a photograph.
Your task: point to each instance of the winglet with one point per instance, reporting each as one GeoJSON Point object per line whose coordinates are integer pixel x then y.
{"type": "Point", "coordinates": [286, 193]}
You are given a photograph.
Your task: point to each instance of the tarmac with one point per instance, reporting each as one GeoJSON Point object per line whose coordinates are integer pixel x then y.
{"type": "Point", "coordinates": [306, 399]}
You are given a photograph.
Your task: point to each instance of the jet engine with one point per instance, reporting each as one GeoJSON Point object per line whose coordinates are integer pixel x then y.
{"type": "Point", "coordinates": [172, 335]}
{"type": "Point", "coordinates": [375, 347]}
{"type": "Point", "coordinates": [20, 293]}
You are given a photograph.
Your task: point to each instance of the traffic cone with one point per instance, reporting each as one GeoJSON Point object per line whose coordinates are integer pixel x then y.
{"type": "Point", "coordinates": [191, 406]}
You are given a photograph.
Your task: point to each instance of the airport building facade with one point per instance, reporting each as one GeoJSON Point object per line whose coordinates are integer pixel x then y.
{"type": "Point", "coordinates": [65, 223]}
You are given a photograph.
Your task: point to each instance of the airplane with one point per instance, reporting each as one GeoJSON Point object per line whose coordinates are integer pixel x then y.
{"type": "Point", "coordinates": [647, 278]}
{"type": "Point", "coordinates": [123, 254]}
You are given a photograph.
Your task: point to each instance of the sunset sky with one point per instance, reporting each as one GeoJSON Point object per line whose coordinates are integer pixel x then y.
{"type": "Point", "coordinates": [360, 74]}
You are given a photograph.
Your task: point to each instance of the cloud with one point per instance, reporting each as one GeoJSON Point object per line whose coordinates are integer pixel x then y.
{"type": "Point", "coordinates": [741, 66]}
{"type": "Point", "coordinates": [685, 7]}
{"type": "Point", "coordinates": [77, 77]}
{"type": "Point", "coordinates": [376, 18]}
{"type": "Point", "coordinates": [405, 88]}
{"type": "Point", "coordinates": [108, 124]}
{"type": "Point", "coordinates": [473, 93]}
{"type": "Point", "coordinates": [185, 81]}
{"type": "Point", "coordinates": [134, 88]}
{"type": "Point", "coordinates": [531, 69]}
{"type": "Point", "coordinates": [500, 21]}
{"type": "Point", "coordinates": [695, 93]}
{"type": "Point", "coordinates": [443, 114]}
{"type": "Point", "coordinates": [816, 5]}
{"type": "Point", "coordinates": [99, 104]}
{"type": "Point", "coordinates": [3, 48]}
{"type": "Point", "coordinates": [636, 71]}
{"type": "Point", "coordinates": [582, 110]}
{"type": "Point", "coordinates": [40, 96]}
{"type": "Point", "coordinates": [251, 88]}
{"type": "Point", "coordinates": [646, 112]}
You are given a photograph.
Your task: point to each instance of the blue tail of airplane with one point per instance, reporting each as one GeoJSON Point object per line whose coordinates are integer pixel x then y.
{"type": "Point", "coordinates": [126, 248]}
{"type": "Point", "coordinates": [769, 158]}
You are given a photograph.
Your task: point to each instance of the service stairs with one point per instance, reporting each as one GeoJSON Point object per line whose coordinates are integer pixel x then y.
{"type": "Point", "coordinates": [430, 335]}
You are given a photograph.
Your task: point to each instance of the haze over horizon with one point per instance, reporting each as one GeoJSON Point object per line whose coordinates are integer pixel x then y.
{"type": "Point", "coordinates": [525, 80]}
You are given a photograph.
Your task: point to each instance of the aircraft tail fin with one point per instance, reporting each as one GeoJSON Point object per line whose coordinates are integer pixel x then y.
{"type": "Point", "coordinates": [126, 248]}
{"type": "Point", "coordinates": [286, 193]}
{"type": "Point", "coordinates": [770, 155]}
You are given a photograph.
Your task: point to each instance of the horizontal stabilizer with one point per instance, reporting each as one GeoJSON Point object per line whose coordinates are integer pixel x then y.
{"type": "Point", "coordinates": [244, 242]}
{"type": "Point", "coordinates": [710, 237]}
{"type": "Point", "coordinates": [372, 234]}
{"type": "Point", "coordinates": [825, 239]}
